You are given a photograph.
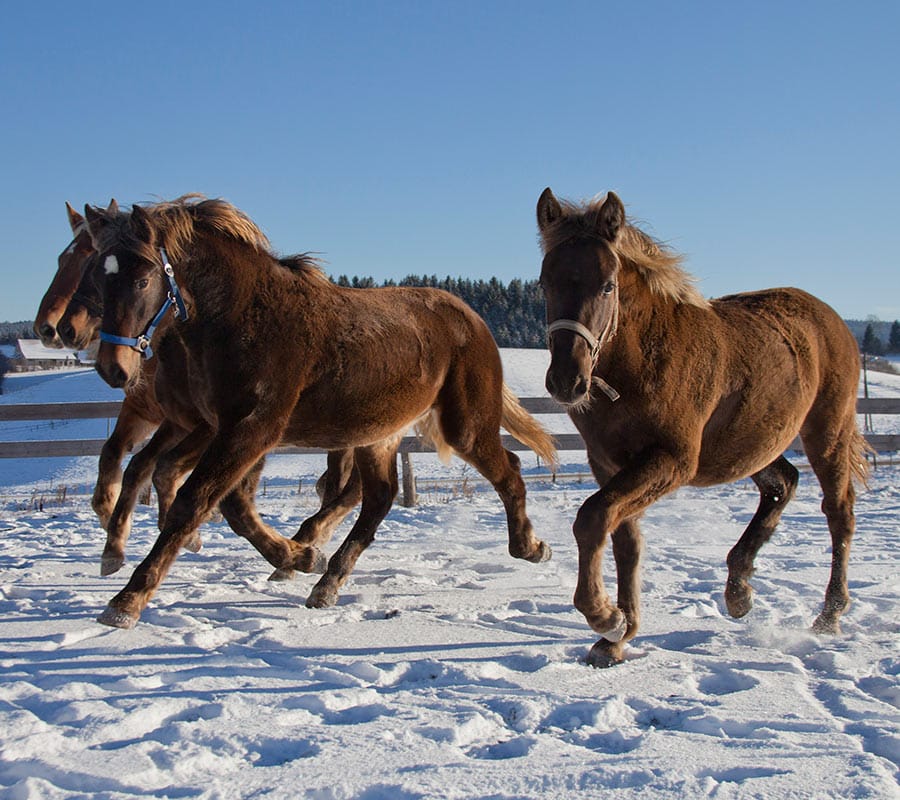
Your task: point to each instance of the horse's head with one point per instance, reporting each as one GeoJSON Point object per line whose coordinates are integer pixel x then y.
{"type": "Point", "coordinates": [80, 323]}
{"type": "Point", "coordinates": [71, 265]}
{"type": "Point", "coordinates": [134, 290]}
{"type": "Point", "coordinates": [579, 276]}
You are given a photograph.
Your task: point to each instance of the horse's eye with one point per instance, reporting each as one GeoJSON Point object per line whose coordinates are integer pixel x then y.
{"type": "Point", "coordinates": [143, 283]}
{"type": "Point", "coordinates": [608, 287]}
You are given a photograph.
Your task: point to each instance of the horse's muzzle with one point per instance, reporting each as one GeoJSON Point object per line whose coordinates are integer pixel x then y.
{"type": "Point", "coordinates": [568, 388]}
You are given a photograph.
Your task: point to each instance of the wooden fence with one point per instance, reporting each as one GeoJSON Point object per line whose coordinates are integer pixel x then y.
{"type": "Point", "coordinates": [881, 443]}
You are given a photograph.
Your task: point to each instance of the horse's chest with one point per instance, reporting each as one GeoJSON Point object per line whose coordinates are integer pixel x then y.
{"type": "Point", "coordinates": [611, 438]}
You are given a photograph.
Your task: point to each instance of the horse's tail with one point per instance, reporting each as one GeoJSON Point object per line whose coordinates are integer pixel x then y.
{"type": "Point", "coordinates": [527, 429]}
{"type": "Point", "coordinates": [859, 463]}
{"type": "Point", "coordinates": [514, 418]}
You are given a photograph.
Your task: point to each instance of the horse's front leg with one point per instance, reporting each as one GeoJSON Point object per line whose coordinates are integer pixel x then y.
{"type": "Point", "coordinates": [230, 454]}
{"type": "Point", "coordinates": [627, 545]}
{"type": "Point", "coordinates": [135, 479]}
{"type": "Point", "coordinates": [131, 429]}
{"type": "Point", "coordinates": [615, 508]}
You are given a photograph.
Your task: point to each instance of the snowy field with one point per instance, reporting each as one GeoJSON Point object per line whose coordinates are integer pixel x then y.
{"type": "Point", "coordinates": [448, 669]}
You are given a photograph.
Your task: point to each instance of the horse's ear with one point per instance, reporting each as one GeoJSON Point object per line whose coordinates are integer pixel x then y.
{"type": "Point", "coordinates": [96, 221]}
{"type": "Point", "coordinates": [548, 210]}
{"type": "Point", "coordinates": [610, 217]}
{"type": "Point", "coordinates": [76, 221]}
{"type": "Point", "coordinates": [141, 225]}
{"type": "Point", "coordinates": [113, 208]}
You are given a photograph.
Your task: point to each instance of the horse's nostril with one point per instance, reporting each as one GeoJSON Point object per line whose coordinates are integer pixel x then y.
{"type": "Point", "coordinates": [47, 331]}
{"type": "Point", "coordinates": [67, 332]}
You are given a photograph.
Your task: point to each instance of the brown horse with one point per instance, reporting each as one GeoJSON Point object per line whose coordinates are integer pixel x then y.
{"type": "Point", "coordinates": [69, 316]}
{"type": "Point", "coordinates": [70, 267]}
{"type": "Point", "coordinates": [275, 355]}
{"type": "Point", "coordinates": [669, 389]}
{"type": "Point", "coordinates": [172, 452]}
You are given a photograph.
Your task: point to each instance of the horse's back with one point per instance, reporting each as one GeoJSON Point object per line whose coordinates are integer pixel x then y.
{"type": "Point", "coordinates": [788, 360]}
{"type": "Point", "coordinates": [796, 322]}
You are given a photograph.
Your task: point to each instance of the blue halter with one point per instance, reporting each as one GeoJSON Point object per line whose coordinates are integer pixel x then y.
{"type": "Point", "coordinates": [173, 298]}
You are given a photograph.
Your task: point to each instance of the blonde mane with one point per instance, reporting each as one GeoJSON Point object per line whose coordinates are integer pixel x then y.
{"type": "Point", "coordinates": [659, 267]}
{"type": "Point", "coordinates": [177, 219]}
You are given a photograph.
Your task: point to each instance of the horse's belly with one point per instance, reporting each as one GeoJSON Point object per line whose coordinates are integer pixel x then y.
{"type": "Point", "coordinates": [338, 424]}
{"type": "Point", "coordinates": [733, 455]}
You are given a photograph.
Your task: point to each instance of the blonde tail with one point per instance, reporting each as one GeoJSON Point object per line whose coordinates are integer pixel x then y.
{"type": "Point", "coordinates": [527, 429]}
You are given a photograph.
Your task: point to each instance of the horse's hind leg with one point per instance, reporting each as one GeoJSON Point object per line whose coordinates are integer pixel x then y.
{"type": "Point", "coordinates": [484, 450]}
{"type": "Point", "coordinates": [377, 466]}
{"type": "Point", "coordinates": [776, 483]}
{"type": "Point", "coordinates": [340, 490]}
{"type": "Point", "coordinates": [239, 510]}
{"type": "Point", "coordinates": [835, 467]}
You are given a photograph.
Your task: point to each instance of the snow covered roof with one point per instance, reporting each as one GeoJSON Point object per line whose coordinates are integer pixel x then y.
{"type": "Point", "coordinates": [33, 350]}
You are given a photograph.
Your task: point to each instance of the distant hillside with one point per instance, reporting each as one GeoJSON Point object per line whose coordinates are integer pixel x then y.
{"type": "Point", "coordinates": [514, 312]}
{"type": "Point", "coordinates": [10, 331]}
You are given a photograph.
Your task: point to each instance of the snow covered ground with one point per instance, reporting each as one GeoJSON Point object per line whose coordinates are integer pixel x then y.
{"type": "Point", "coordinates": [448, 669]}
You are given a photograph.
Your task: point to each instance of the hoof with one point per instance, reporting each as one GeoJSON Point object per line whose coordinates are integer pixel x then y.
{"type": "Point", "coordinates": [322, 598]}
{"type": "Point", "coordinates": [738, 598]}
{"type": "Point", "coordinates": [312, 560]}
{"type": "Point", "coordinates": [117, 619]}
{"type": "Point", "coordinates": [111, 564]}
{"type": "Point", "coordinates": [194, 544]}
{"type": "Point", "coordinates": [544, 553]}
{"type": "Point", "coordinates": [617, 633]}
{"type": "Point", "coordinates": [282, 574]}
{"type": "Point", "coordinates": [826, 627]}
{"type": "Point", "coordinates": [613, 627]}
{"type": "Point", "coordinates": [604, 655]}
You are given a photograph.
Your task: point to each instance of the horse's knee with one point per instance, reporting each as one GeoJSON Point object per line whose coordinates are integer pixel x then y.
{"type": "Point", "coordinates": [591, 522]}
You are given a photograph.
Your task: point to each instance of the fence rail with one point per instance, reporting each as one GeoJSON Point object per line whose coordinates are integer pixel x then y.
{"type": "Point", "coordinates": [881, 443]}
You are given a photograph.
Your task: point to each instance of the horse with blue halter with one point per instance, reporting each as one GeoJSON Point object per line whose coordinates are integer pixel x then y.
{"type": "Point", "coordinates": [69, 316]}
{"type": "Point", "coordinates": [669, 389]}
{"type": "Point", "coordinates": [271, 355]}
{"type": "Point", "coordinates": [158, 401]}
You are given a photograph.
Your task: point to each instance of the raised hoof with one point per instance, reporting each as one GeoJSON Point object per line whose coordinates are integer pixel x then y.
{"type": "Point", "coordinates": [111, 564]}
{"type": "Point", "coordinates": [544, 553]}
{"type": "Point", "coordinates": [312, 561]}
{"type": "Point", "coordinates": [117, 619]}
{"type": "Point", "coordinates": [322, 598]}
{"type": "Point", "coordinates": [738, 599]}
{"type": "Point", "coordinates": [194, 544]}
{"type": "Point", "coordinates": [282, 574]}
{"type": "Point", "coordinates": [604, 655]}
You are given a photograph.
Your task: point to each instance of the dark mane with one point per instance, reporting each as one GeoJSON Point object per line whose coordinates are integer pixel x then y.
{"type": "Point", "coordinates": [302, 263]}
{"type": "Point", "coordinates": [657, 264]}
{"type": "Point", "coordinates": [176, 222]}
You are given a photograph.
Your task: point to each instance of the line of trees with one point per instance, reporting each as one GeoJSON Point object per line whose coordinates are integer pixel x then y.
{"type": "Point", "coordinates": [873, 345]}
{"type": "Point", "coordinates": [515, 312]}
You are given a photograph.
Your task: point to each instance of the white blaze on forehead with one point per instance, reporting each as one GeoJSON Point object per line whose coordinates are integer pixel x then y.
{"type": "Point", "coordinates": [111, 265]}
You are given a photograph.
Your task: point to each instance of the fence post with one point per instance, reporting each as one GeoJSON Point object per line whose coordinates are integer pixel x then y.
{"type": "Point", "coordinates": [409, 480]}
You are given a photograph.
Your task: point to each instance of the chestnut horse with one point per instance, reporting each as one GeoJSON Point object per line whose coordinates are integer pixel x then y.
{"type": "Point", "coordinates": [669, 389]}
{"type": "Point", "coordinates": [171, 453]}
{"type": "Point", "coordinates": [68, 316]}
{"type": "Point", "coordinates": [275, 355]}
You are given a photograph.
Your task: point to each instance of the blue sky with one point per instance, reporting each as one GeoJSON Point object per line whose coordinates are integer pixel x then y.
{"type": "Point", "coordinates": [760, 139]}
